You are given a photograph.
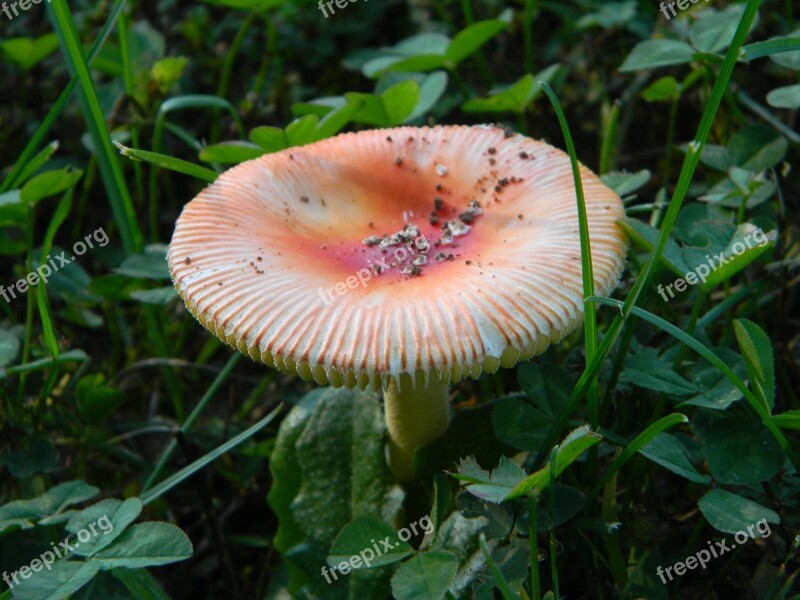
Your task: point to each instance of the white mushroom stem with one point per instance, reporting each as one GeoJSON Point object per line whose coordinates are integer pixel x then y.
{"type": "Point", "coordinates": [415, 416]}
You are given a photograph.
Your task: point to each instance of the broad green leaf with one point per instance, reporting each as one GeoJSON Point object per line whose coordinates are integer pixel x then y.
{"type": "Point", "coordinates": [757, 352]}
{"type": "Point", "coordinates": [63, 579]}
{"type": "Point", "coordinates": [146, 545]}
{"type": "Point", "coordinates": [37, 162]}
{"type": "Point", "coordinates": [302, 131]}
{"type": "Point", "coordinates": [271, 139]}
{"type": "Point", "coordinates": [104, 522]}
{"type": "Point", "coordinates": [230, 152]}
{"type": "Point", "coordinates": [329, 447]}
{"type": "Point", "coordinates": [9, 347]}
{"type": "Point", "coordinates": [748, 244]}
{"type": "Point", "coordinates": [335, 120]}
{"type": "Point", "coordinates": [248, 4]}
{"type": "Point", "coordinates": [519, 424]}
{"type": "Point", "coordinates": [513, 98]}
{"type": "Point", "coordinates": [575, 444]}
{"type": "Point", "coordinates": [49, 184]}
{"type": "Point", "coordinates": [785, 97]}
{"type": "Point", "coordinates": [23, 513]}
{"type": "Point", "coordinates": [547, 385]}
{"type": "Point", "coordinates": [35, 454]}
{"type": "Point", "coordinates": [96, 401]}
{"type": "Point", "coordinates": [399, 101]}
{"type": "Point", "coordinates": [427, 576]}
{"type": "Point", "coordinates": [667, 450]}
{"type": "Point", "coordinates": [28, 52]}
{"type": "Point", "coordinates": [569, 502]}
{"type": "Point", "coordinates": [661, 90]}
{"type": "Point", "coordinates": [714, 30]}
{"type": "Point", "coordinates": [731, 513]}
{"type": "Point", "coordinates": [740, 450]}
{"type": "Point", "coordinates": [644, 236]}
{"type": "Point", "coordinates": [356, 544]}
{"type": "Point", "coordinates": [757, 147]}
{"type": "Point", "coordinates": [159, 296]}
{"type": "Point", "coordinates": [624, 184]}
{"type": "Point", "coordinates": [168, 71]}
{"type": "Point", "coordinates": [648, 370]}
{"type": "Point", "coordinates": [650, 54]}
{"type": "Point", "coordinates": [144, 266]}
{"type": "Point", "coordinates": [608, 15]}
{"type": "Point", "coordinates": [473, 37]}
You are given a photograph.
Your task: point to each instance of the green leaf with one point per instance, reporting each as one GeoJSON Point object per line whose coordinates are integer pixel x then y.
{"type": "Point", "coordinates": [49, 184]}
{"type": "Point", "coordinates": [302, 131]}
{"type": "Point", "coordinates": [757, 352]}
{"type": "Point", "coordinates": [665, 89]}
{"type": "Point", "coordinates": [757, 147]}
{"type": "Point", "coordinates": [28, 52]}
{"type": "Point", "coordinates": [648, 370]}
{"type": "Point", "coordinates": [467, 41]}
{"type": "Point", "coordinates": [520, 425]}
{"type": "Point", "coordinates": [546, 385]}
{"type": "Point", "coordinates": [713, 31]}
{"type": "Point", "coordinates": [785, 97]}
{"type": "Point", "coordinates": [271, 139]}
{"type": "Point", "coordinates": [399, 101]}
{"type": "Point", "coordinates": [650, 54]}
{"type": "Point", "coordinates": [23, 513]}
{"type": "Point", "coordinates": [96, 401]}
{"type": "Point", "coordinates": [159, 296]}
{"type": "Point", "coordinates": [784, 50]}
{"type": "Point", "coordinates": [667, 450]}
{"type": "Point", "coordinates": [168, 71]}
{"type": "Point", "coordinates": [569, 502]}
{"type": "Point", "coordinates": [146, 545]}
{"type": "Point", "coordinates": [731, 513]}
{"type": "Point", "coordinates": [575, 444]}
{"type": "Point", "coordinates": [230, 152]}
{"type": "Point", "coordinates": [140, 584]}
{"type": "Point", "coordinates": [37, 162]}
{"type": "Point", "coordinates": [9, 347]}
{"type": "Point", "coordinates": [329, 447]}
{"type": "Point", "coordinates": [60, 581]}
{"type": "Point", "coordinates": [747, 244]}
{"type": "Point", "coordinates": [145, 266]}
{"type": "Point", "coordinates": [110, 518]}
{"type": "Point", "coordinates": [427, 576]}
{"type": "Point", "coordinates": [358, 537]}
{"type": "Point", "coordinates": [644, 236]}
{"type": "Point", "coordinates": [624, 184]}
{"type": "Point", "coordinates": [496, 487]}
{"type": "Point", "coordinates": [36, 454]}
{"type": "Point", "coordinates": [740, 450]}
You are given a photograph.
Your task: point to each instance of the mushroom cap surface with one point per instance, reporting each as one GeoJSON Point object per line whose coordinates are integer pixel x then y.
{"type": "Point", "coordinates": [314, 259]}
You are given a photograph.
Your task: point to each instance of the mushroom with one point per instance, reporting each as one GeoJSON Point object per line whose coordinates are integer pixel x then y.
{"type": "Point", "coordinates": [304, 260]}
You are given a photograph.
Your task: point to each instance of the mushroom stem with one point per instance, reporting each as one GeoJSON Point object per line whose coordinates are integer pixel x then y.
{"type": "Point", "coordinates": [416, 414]}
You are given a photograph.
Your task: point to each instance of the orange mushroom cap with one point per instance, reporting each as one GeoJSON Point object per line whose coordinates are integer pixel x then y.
{"type": "Point", "coordinates": [285, 256]}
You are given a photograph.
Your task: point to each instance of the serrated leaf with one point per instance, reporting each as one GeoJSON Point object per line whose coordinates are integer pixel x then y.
{"type": "Point", "coordinates": [500, 483]}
